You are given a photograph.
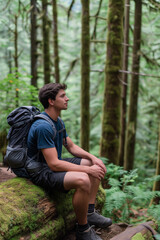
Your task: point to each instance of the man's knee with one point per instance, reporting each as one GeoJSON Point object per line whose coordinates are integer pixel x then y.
{"type": "Point", "coordinates": [86, 162]}
{"type": "Point", "coordinates": [84, 182]}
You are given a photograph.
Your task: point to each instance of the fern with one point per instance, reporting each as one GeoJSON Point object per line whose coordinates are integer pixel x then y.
{"type": "Point", "coordinates": [125, 194]}
{"type": "Point", "coordinates": [154, 211]}
{"type": "Point", "coordinates": [114, 182]}
{"type": "Point", "coordinates": [115, 200]}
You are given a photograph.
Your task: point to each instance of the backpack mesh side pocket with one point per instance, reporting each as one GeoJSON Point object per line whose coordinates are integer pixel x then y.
{"type": "Point", "coordinates": [15, 157]}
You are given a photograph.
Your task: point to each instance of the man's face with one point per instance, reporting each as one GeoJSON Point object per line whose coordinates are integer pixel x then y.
{"type": "Point", "coordinates": [61, 101]}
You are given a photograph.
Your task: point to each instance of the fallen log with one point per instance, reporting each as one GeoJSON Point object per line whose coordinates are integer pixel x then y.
{"type": "Point", "coordinates": [28, 212]}
{"type": "Point", "coordinates": [143, 231]}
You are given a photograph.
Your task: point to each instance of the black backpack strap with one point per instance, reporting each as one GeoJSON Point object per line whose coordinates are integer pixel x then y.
{"type": "Point", "coordinates": [63, 130]}
{"type": "Point", "coordinates": [45, 117]}
{"type": "Point", "coordinates": [42, 116]}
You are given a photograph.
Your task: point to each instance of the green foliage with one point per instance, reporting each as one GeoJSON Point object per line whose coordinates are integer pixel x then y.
{"type": "Point", "coordinates": [154, 211]}
{"type": "Point", "coordinates": [125, 195]}
{"type": "Point", "coordinates": [157, 236]}
{"type": "Point", "coordinates": [15, 91]}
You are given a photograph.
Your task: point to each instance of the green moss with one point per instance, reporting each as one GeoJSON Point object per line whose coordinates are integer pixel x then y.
{"type": "Point", "coordinates": [19, 213]}
{"type": "Point", "coordinates": [51, 230]}
{"type": "Point", "coordinates": [100, 199]}
{"type": "Point", "coordinates": [139, 236]}
{"type": "Point", "coordinates": [114, 39]}
{"type": "Point", "coordinates": [64, 202]}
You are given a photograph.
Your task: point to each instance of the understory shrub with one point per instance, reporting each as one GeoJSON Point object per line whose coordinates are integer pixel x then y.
{"type": "Point", "coordinates": [127, 200]}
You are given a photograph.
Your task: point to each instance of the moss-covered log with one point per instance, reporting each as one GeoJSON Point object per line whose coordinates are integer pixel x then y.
{"type": "Point", "coordinates": [28, 212]}
{"type": "Point", "coordinates": [144, 231]}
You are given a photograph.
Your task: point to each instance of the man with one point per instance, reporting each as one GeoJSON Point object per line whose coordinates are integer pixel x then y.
{"type": "Point", "coordinates": [82, 173]}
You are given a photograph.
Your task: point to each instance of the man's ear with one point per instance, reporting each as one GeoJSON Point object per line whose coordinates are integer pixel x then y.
{"type": "Point", "coordinates": [51, 101]}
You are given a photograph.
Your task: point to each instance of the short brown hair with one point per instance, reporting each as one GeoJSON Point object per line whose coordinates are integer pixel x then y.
{"type": "Point", "coordinates": [49, 91]}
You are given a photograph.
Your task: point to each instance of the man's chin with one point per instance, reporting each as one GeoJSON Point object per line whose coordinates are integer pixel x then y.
{"type": "Point", "coordinates": [65, 108]}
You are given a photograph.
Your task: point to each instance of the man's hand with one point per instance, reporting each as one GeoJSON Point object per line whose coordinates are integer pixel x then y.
{"type": "Point", "coordinates": [96, 171]}
{"type": "Point", "coordinates": [99, 162]}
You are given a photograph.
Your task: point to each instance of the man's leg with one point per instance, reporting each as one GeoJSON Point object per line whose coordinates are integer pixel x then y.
{"type": "Point", "coordinates": [81, 182]}
{"type": "Point", "coordinates": [94, 183]}
{"type": "Point", "coordinates": [93, 217]}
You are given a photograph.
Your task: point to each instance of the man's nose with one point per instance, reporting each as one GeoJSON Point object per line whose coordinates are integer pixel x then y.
{"type": "Point", "coordinates": [67, 99]}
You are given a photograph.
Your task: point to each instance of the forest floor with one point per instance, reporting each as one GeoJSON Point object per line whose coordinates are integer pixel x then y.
{"type": "Point", "coordinates": [104, 234]}
{"type": "Point", "coordinates": [5, 175]}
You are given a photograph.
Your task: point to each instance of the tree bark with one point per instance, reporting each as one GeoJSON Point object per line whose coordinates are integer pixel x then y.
{"type": "Point", "coordinates": [133, 102]}
{"type": "Point", "coordinates": [3, 142]}
{"type": "Point", "coordinates": [16, 57]}
{"type": "Point", "coordinates": [34, 43]}
{"type": "Point", "coordinates": [85, 76]}
{"type": "Point", "coordinates": [112, 90]}
{"type": "Point", "coordinates": [27, 212]}
{"type": "Point", "coordinates": [46, 48]}
{"type": "Point", "coordinates": [124, 85]}
{"type": "Point", "coordinates": [55, 42]}
{"type": "Point", "coordinates": [156, 186]}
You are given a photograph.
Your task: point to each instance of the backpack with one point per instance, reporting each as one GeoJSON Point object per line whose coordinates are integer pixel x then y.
{"type": "Point", "coordinates": [20, 121]}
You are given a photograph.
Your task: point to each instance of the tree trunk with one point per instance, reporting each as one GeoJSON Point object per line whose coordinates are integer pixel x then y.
{"type": "Point", "coordinates": [55, 42]}
{"type": "Point", "coordinates": [34, 43]}
{"type": "Point", "coordinates": [85, 74]}
{"type": "Point", "coordinates": [27, 212]}
{"type": "Point", "coordinates": [16, 57]}
{"type": "Point", "coordinates": [46, 51]}
{"type": "Point", "coordinates": [94, 34]}
{"type": "Point", "coordinates": [124, 85]}
{"type": "Point", "coordinates": [9, 51]}
{"type": "Point", "coordinates": [133, 103]}
{"type": "Point", "coordinates": [156, 186]}
{"type": "Point", "coordinates": [3, 142]}
{"type": "Point", "coordinates": [112, 90]}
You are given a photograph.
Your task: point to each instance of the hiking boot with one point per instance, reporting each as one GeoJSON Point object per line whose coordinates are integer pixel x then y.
{"type": "Point", "coordinates": [98, 220]}
{"type": "Point", "coordinates": [88, 234]}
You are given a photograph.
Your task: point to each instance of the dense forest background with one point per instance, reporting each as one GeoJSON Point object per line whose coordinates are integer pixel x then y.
{"type": "Point", "coordinates": [108, 54]}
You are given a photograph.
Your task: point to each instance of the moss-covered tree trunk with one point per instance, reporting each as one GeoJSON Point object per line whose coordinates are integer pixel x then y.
{"type": "Point", "coordinates": [156, 186]}
{"type": "Point", "coordinates": [28, 213]}
{"type": "Point", "coordinates": [124, 84]}
{"type": "Point", "coordinates": [46, 48]}
{"type": "Point", "coordinates": [85, 76]}
{"type": "Point", "coordinates": [55, 42]}
{"type": "Point", "coordinates": [112, 90]}
{"type": "Point", "coordinates": [134, 88]}
{"type": "Point", "coordinates": [33, 18]}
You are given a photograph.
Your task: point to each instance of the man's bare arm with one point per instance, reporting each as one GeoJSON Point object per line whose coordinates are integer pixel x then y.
{"type": "Point", "coordinates": [77, 151]}
{"type": "Point", "coordinates": [50, 155]}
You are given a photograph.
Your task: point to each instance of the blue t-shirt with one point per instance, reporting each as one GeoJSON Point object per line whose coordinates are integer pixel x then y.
{"type": "Point", "coordinates": [41, 136]}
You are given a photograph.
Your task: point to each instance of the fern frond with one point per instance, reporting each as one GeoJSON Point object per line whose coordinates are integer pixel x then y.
{"type": "Point", "coordinates": [145, 197]}
{"type": "Point", "coordinates": [154, 211]}
{"type": "Point", "coordinates": [114, 182]}
{"type": "Point", "coordinates": [115, 201]}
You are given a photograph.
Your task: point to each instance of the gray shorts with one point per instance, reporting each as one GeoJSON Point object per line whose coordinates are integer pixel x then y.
{"type": "Point", "coordinates": [50, 180]}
